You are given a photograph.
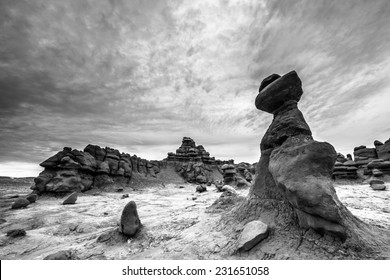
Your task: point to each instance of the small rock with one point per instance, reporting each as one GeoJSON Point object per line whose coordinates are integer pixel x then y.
{"type": "Point", "coordinates": [61, 255]}
{"type": "Point", "coordinates": [73, 227]}
{"type": "Point", "coordinates": [376, 182]}
{"type": "Point", "coordinates": [229, 189]}
{"type": "Point", "coordinates": [201, 188]}
{"type": "Point", "coordinates": [20, 203]}
{"type": "Point", "coordinates": [119, 189]}
{"type": "Point", "coordinates": [378, 187]}
{"type": "Point", "coordinates": [194, 198]}
{"type": "Point", "coordinates": [70, 199]}
{"type": "Point", "coordinates": [125, 196]}
{"type": "Point", "coordinates": [16, 233]}
{"type": "Point", "coordinates": [377, 173]}
{"type": "Point", "coordinates": [130, 222]}
{"type": "Point", "coordinates": [2, 221]}
{"type": "Point", "coordinates": [105, 213]}
{"type": "Point", "coordinates": [253, 233]}
{"type": "Point", "coordinates": [181, 187]}
{"type": "Point", "coordinates": [104, 237]}
{"type": "Point", "coordinates": [32, 197]}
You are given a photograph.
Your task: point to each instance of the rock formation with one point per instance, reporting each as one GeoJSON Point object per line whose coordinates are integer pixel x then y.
{"type": "Point", "coordinates": [293, 191]}
{"type": "Point", "coordinates": [71, 170]}
{"type": "Point", "coordinates": [194, 164]}
{"type": "Point", "coordinates": [366, 162]}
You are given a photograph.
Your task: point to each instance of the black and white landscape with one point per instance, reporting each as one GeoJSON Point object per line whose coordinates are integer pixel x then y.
{"type": "Point", "coordinates": [194, 130]}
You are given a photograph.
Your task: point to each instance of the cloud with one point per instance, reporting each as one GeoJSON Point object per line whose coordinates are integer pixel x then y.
{"type": "Point", "coordinates": [140, 75]}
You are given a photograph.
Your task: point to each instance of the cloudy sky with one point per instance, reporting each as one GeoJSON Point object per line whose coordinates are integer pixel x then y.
{"type": "Point", "coordinates": [140, 75]}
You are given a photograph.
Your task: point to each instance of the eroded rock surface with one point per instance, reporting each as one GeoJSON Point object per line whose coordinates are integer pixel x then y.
{"type": "Point", "coordinates": [71, 170]}
{"type": "Point", "coordinates": [293, 163]}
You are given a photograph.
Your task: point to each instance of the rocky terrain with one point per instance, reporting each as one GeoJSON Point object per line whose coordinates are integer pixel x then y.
{"type": "Point", "coordinates": [178, 222]}
{"type": "Point", "coordinates": [302, 200]}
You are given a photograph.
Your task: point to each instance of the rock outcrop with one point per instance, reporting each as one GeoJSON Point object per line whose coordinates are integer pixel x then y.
{"type": "Point", "coordinates": [366, 162]}
{"type": "Point", "coordinates": [194, 163]}
{"type": "Point", "coordinates": [71, 170]}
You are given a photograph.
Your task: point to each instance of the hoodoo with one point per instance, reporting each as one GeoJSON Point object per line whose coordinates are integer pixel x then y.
{"type": "Point", "coordinates": [293, 191]}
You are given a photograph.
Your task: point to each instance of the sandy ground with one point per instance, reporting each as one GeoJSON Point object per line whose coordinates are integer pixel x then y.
{"type": "Point", "coordinates": [176, 222]}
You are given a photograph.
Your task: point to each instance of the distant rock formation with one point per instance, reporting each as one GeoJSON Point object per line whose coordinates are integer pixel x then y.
{"type": "Point", "coordinates": [71, 170]}
{"type": "Point", "coordinates": [366, 162]}
{"type": "Point", "coordinates": [188, 151]}
{"type": "Point", "coordinates": [194, 163]}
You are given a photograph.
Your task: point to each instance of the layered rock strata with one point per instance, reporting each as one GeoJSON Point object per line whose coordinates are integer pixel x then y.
{"type": "Point", "coordinates": [194, 163]}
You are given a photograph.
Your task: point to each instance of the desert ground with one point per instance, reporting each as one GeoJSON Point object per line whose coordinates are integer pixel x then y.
{"type": "Point", "coordinates": [178, 222]}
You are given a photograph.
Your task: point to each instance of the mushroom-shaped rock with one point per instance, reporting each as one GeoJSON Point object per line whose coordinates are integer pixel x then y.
{"type": "Point", "coordinates": [252, 234]}
{"type": "Point", "coordinates": [130, 222]}
{"type": "Point", "coordinates": [20, 203]}
{"type": "Point", "coordinates": [71, 199]}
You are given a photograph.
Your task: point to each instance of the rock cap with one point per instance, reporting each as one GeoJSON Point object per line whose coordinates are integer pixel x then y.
{"type": "Point", "coordinates": [275, 91]}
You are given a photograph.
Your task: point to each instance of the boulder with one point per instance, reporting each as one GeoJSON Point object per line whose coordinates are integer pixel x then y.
{"type": "Point", "coordinates": [375, 181]}
{"type": "Point", "coordinates": [253, 233]}
{"type": "Point", "coordinates": [229, 189]}
{"type": "Point", "coordinates": [278, 92]}
{"type": "Point", "coordinates": [378, 187]}
{"type": "Point", "coordinates": [61, 255]}
{"type": "Point", "coordinates": [32, 197]}
{"type": "Point", "coordinates": [201, 188]}
{"type": "Point", "coordinates": [71, 199]}
{"type": "Point", "coordinates": [130, 222]}
{"type": "Point", "coordinates": [20, 203]}
{"type": "Point", "coordinates": [16, 233]}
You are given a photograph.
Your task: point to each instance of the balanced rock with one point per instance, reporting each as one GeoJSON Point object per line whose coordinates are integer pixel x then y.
{"type": "Point", "coordinates": [20, 203]}
{"type": "Point", "coordinates": [252, 234]}
{"type": "Point", "coordinates": [130, 222]}
{"type": "Point", "coordinates": [16, 233]}
{"type": "Point", "coordinates": [71, 199]}
{"type": "Point", "coordinates": [292, 164]}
